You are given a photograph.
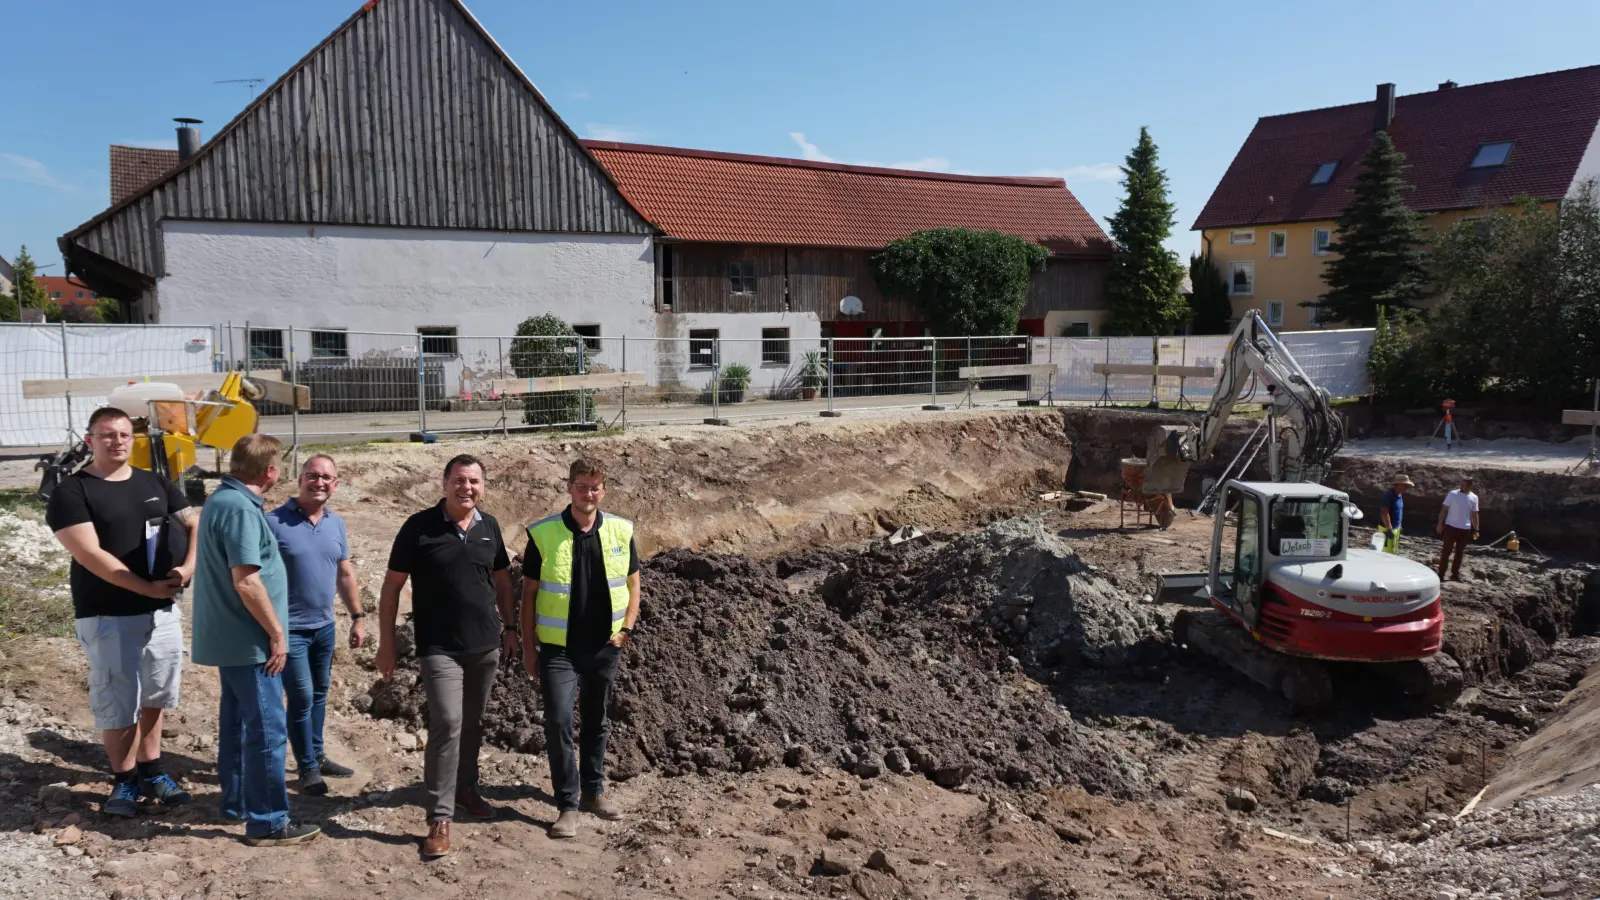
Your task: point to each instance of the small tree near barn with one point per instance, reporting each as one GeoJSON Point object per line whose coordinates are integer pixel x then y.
{"type": "Point", "coordinates": [546, 346]}
{"type": "Point", "coordinates": [966, 282]}
{"type": "Point", "coordinates": [1142, 288]}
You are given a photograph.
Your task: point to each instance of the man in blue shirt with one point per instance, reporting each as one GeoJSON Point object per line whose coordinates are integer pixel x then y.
{"type": "Point", "coordinates": [316, 554]}
{"type": "Point", "coordinates": [1392, 510]}
{"type": "Point", "coordinates": [241, 600]}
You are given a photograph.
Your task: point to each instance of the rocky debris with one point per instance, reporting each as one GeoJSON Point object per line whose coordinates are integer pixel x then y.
{"type": "Point", "coordinates": [1544, 847]}
{"type": "Point", "coordinates": [879, 861]}
{"type": "Point", "coordinates": [55, 795]}
{"type": "Point", "coordinates": [904, 659]}
{"type": "Point", "coordinates": [68, 836]}
{"type": "Point", "coordinates": [1325, 789]}
{"type": "Point", "coordinates": [1242, 800]}
{"type": "Point", "coordinates": [832, 863]}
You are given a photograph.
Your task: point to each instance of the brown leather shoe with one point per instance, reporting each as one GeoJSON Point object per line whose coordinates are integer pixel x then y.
{"type": "Point", "coordinates": [475, 807]}
{"type": "Point", "coordinates": [566, 825]}
{"type": "Point", "coordinates": [601, 806]}
{"type": "Point", "coordinates": [437, 843]}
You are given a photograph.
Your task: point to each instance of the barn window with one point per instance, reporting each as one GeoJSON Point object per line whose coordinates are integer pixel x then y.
{"type": "Point", "coordinates": [591, 337]}
{"type": "Point", "coordinates": [329, 345]}
{"type": "Point", "coordinates": [742, 276]}
{"type": "Point", "coordinates": [438, 340]}
{"type": "Point", "coordinates": [266, 343]}
{"type": "Point", "coordinates": [774, 346]}
{"type": "Point", "coordinates": [702, 347]}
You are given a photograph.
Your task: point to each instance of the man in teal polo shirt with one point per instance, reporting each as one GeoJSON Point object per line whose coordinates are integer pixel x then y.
{"type": "Point", "coordinates": [241, 602]}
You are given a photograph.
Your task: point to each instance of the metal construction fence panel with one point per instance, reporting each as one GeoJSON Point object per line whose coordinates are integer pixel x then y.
{"type": "Point", "coordinates": [64, 351]}
{"type": "Point", "coordinates": [372, 384]}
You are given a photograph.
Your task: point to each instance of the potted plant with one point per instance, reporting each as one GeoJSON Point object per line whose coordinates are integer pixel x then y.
{"type": "Point", "coordinates": [735, 379]}
{"type": "Point", "coordinates": [812, 375]}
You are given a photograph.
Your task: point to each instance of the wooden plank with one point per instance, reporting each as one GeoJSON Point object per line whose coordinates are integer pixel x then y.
{"type": "Point", "coordinates": [1042, 370]}
{"type": "Point", "coordinates": [597, 382]}
{"type": "Point", "coordinates": [1146, 369]}
{"type": "Point", "coordinates": [47, 388]}
{"type": "Point", "coordinates": [275, 390]}
{"type": "Point", "coordinates": [1580, 417]}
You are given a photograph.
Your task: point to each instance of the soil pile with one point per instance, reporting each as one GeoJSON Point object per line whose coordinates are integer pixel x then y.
{"type": "Point", "coordinates": [893, 659]}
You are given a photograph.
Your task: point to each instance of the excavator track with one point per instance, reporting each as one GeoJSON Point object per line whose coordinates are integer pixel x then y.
{"type": "Point", "coordinates": [1307, 683]}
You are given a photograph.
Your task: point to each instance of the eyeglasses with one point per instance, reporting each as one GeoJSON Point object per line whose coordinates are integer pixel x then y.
{"type": "Point", "coordinates": [587, 488]}
{"type": "Point", "coordinates": [318, 476]}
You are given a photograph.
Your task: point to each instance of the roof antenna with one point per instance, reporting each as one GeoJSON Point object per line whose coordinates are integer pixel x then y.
{"type": "Point", "coordinates": [251, 82]}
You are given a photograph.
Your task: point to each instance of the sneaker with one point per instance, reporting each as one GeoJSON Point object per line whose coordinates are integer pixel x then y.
{"type": "Point", "coordinates": [566, 825]}
{"type": "Point", "coordinates": [312, 785]}
{"type": "Point", "coordinates": [163, 790]}
{"type": "Point", "coordinates": [601, 806]}
{"type": "Point", "coordinates": [124, 800]}
{"type": "Point", "coordinates": [331, 769]}
{"type": "Point", "coordinates": [283, 837]}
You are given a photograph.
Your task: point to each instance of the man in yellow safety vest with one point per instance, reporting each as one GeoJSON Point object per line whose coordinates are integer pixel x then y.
{"type": "Point", "coordinates": [580, 599]}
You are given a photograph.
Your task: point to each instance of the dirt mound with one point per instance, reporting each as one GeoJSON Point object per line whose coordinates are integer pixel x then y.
{"type": "Point", "coordinates": [893, 659]}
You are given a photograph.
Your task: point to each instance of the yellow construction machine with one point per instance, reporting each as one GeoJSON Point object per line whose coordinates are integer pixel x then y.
{"type": "Point", "coordinates": [169, 425]}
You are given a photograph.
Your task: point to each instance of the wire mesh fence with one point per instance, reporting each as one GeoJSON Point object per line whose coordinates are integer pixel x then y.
{"type": "Point", "coordinates": [386, 384]}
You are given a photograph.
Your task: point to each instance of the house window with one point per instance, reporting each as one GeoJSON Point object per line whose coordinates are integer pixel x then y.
{"type": "Point", "coordinates": [1275, 313]}
{"type": "Point", "coordinates": [1320, 239]}
{"type": "Point", "coordinates": [1277, 244]}
{"type": "Point", "coordinates": [1491, 155]}
{"type": "Point", "coordinates": [438, 340]}
{"type": "Point", "coordinates": [666, 278]}
{"type": "Point", "coordinates": [774, 346]}
{"type": "Point", "coordinates": [1482, 227]}
{"type": "Point", "coordinates": [329, 345]}
{"type": "Point", "coordinates": [1075, 329]}
{"type": "Point", "coordinates": [742, 276]}
{"type": "Point", "coordinates": [591, 337]}
{"type": "Point", "coordinates": [1314, 316]}
{"type": "Point", "coordinates": [1242, 279]}
{"type": "Point", "coordinates": [702, 347]}
{"type": "Point", "coordinates": [1324, 173]}
{"type": "Point", "coordinates": [266, 343]}
{"type": "Point", "coordinates": [55, 295]}
{"type": "Point", "coordinates": [80, 295]}
{"type": "Point", "coordinates": [1244, 236]}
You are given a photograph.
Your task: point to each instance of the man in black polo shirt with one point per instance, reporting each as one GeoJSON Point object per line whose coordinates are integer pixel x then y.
{"type": "Point", "coordinates": [580, 599]}
{"type": "Point", "coordinates": [460, 596]}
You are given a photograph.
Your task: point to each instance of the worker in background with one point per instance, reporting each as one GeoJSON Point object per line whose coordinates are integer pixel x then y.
{"type": "Point", "coordinates": [241, 607]}
{"type": "Point", "coordinates": [580, 600]}
{"type": "Point", "coordinates": [316, 554]}
{"type": "Point", "coordinates": [1392, 510]}
{"type": "Point", "coordinates": [128, 566]}
{"type": "Point", "coordinates": [1458, 524]}
{"type": "Point", "coordinates": [461, 609]}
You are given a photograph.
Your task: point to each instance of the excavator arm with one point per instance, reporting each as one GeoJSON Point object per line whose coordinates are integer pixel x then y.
{"type": "Point", "coordinates": [1254, 356]}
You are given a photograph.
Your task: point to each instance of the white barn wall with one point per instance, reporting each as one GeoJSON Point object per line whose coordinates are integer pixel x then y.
{"type": "Point", "coordinates": [741, 343]}
{"type": "Point", "coordinates": [365, 279]}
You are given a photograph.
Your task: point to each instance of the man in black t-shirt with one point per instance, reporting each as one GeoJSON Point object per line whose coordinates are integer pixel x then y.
{"type": "Point", "coordinates": [460, 597]}
{"type": "Point", "coordinates": [130, 535]}
{"type": "Point", "coordinates": [580, 600]}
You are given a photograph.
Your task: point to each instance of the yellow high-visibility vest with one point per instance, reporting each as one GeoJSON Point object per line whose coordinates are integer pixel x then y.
{"type": "Point", "coordinates": [554, 600]}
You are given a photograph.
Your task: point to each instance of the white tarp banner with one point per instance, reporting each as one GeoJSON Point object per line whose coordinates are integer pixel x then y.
{"type": "Point", "coordinates": [29, 352]}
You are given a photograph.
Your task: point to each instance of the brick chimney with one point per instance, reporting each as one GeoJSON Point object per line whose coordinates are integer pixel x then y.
{"type": "Point", "coordinates": [1446, 85]}
{"type": "Point", "coordinates": [1385, 110]}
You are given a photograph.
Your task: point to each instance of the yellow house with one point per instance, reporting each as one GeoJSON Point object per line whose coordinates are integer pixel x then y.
{"type": "Point", "coordinates": [1470, 150]}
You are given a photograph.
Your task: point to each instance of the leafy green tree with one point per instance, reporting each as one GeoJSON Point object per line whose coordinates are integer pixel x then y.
{"type": "Point", "coordinates": [1396, 360]}
{"type": "Point", "coordinates": [546, 346]}
{"type": "Point", "coordinates": [1142, 287]}
{"type": "Point", "coordinates": [1210, 304]}
{"type": "Point", "coordinates": [1381, 260]}
{"type": "Point", "coordinates": [966, 282]}
{"type": "Point", "coordinates": [26, 292]}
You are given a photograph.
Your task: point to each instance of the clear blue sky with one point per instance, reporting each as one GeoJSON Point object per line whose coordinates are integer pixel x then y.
{"type": "Point", "coordinates": [1017, 88]}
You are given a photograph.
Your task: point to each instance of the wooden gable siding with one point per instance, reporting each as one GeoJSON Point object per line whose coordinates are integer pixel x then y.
{"type": "Point", "coordinates": [407, 116]}
{"type": "Point", "coordinates": [820, 277]}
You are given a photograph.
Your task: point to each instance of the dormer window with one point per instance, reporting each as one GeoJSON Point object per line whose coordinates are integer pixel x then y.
{"type": "Point", "coordinates": [1491, 155]}
{"type": "Point", "coordinates": [1324, 173]}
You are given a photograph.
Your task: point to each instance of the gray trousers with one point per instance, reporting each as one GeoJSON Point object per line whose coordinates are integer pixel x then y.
{"type": "Point", "coordinates": [458, 693]}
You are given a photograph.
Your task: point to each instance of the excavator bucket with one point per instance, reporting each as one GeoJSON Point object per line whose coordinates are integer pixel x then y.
{"type": "Point", "coordinates": [1165, 468]}
{"type": "Point", "coordinates": [223, 426]}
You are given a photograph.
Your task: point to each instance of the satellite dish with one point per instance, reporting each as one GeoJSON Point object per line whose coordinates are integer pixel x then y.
{"type": "Point", "coordinates": [850, 306]}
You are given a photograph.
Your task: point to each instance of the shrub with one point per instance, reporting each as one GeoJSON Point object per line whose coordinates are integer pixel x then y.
{"type": "Point", "coordinates": [546, 346]}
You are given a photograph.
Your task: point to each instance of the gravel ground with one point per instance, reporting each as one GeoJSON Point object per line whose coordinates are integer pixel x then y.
{"type": "Point", "coordinates": [1523, 454]}
{"type": "Point", "coordinates": [1547, 847]}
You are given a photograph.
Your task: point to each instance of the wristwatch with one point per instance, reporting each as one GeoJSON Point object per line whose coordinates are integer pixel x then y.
{"type": "Point", "coordinates": [626, 631]}
{"type": "Point", "coordinates": [504, 629]}
{"type": "Point", "coordinates": [359, 615]}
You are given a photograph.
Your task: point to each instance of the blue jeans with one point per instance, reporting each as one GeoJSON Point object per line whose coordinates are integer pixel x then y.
{"type": "Point", "coordinates": [250, 749]}
{"type": "Point", "coordinates": [583, 680]}
{"type": "Point", "coordinates": [305, 681]}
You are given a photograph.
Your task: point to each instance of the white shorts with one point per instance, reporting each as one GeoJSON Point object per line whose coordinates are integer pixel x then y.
{"type": "Point", "coordinates": [135, 662]}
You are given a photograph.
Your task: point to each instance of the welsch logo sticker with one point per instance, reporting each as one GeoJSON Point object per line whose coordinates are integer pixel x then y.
{"type": "Point", "coordinates": [1304, 547]}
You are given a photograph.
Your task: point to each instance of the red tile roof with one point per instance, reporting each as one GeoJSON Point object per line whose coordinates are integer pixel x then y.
{"type": "Point", "coordinates": [68, 288]}
{"type": "Point", "coordinates": [698, 195]}
{"type": "Point", "coordinates": [1551, 117]}
{"type": "Point", "coordinates": [134, 167]}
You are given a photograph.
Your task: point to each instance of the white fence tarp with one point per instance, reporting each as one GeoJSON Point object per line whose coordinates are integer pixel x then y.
{"type": "Point", "coordinates": [29, 351]}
